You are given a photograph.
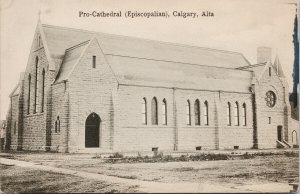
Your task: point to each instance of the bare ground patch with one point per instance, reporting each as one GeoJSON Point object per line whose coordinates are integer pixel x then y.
{"type": "Point", "coordinates": [17, 179]}
{"type": "Point", "coordinates": [235, 173]}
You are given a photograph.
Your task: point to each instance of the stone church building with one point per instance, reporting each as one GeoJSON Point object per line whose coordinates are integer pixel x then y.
{"type": "Point", "coordinates": [86, 91]}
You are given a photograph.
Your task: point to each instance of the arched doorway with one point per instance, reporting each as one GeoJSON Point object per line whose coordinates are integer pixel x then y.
{"type": "Point", "coordinates": [92, 131]}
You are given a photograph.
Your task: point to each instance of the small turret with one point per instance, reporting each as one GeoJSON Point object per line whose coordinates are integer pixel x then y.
{"type": "Point", "coordinates": [277, 67]}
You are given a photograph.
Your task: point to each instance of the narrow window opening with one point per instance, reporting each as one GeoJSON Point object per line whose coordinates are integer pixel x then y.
{"type": "Point", "coordinates": [94, 61]}
{"type": "Point", "coordinates": [236, 114]}
{"type": "Point", "coordinates": [206, 113]}
{"type": "Point", "coordinates": [57, 125]}
{"type": "Point", "coordinates": [144, 111]}
{"type": "Point", "coordinates": [164, 112]}
{"type": "Point", "coordinates": [270, 71]}
{"type": "Point", "coordinates": [28, 100]}
{"type": "Point", "coordinates": [188, 113]}
{"type": "Point", "coordinates": [244, 117]}
{"type": "Point", "coordinates": [43, 90]}
{"type": "Point", "coordinates": [154, 116]}
{"type": "Point", "coordinates": [65, 85]}
{"type": "Point", "coordinates": [36, 85]}
{"type": "Point", "coordinates": [228, 114]}
{"type": "Point", "coordinates": [269, 120]}
{"type": "Point", "coordinates": [197, 112]}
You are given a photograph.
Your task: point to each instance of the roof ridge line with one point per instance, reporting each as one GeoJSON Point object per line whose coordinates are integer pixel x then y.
{"type": "Point", "coordinates": [145, 39]}
{"type": "Point", "coordinates": [177, 62]}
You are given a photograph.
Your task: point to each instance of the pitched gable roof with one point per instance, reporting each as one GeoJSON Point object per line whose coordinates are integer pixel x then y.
{"type": "Point", "coordinates": [59, 39]}
{"type": "Point", "coordinates": [71, 57]}
{"type": "Point", "coordinates": [143, 72]}
{"type": "Point", "coordinates": [152, 63]}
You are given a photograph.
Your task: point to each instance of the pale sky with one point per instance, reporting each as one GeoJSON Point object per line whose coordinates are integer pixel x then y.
{"type": "Point", "coordinates": [237, 25]}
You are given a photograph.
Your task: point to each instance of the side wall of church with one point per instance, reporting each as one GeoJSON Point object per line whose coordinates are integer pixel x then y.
{"type": "Point", "coordinates": [133, 135]}
{"type": "Point", "coordinates": [236, 134]}
{"type": "Point", "coordinates": [192, 136]}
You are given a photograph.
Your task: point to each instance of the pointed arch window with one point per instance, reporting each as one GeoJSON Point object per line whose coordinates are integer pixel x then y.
{"type": "Point", "coordinates": [228, 114]}
{"type": "Point", "coordinates": [154, 116]}
{"type": "Point", "coordinates": [164, 112]}
{"type": "Point", "coordinates": [197, 112]}
{"type": "Point", "coordinates": [29, 93]}
{"type": "Point", "coordinates": [188, 112]}
{"type": "Point", "coordinates": [236, 114]}
{"type": "Point", "coordinates": [144, 111]}
{"type": "Point", "coordinates": [206, 113]}
{"type": "Point", "coordinates": [244, 115]}
{"type": "Point", "coordinates": [36, 85]}
{"type": "Point", "coordinates": [43, 90]}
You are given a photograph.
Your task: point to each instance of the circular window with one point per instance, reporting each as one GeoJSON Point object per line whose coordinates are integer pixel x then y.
{"type": "Point", "coordinates": [270, 98]}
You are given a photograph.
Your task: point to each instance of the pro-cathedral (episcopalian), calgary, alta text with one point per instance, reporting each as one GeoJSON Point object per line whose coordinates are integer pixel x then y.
{"type": "Point", "coordinates": [145, 14]}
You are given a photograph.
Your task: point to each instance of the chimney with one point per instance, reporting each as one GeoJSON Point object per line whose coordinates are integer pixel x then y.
{"type": "Point", "coordinates": [264, 54]}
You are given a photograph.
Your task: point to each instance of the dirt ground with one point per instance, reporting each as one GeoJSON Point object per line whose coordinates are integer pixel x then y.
{"type": "Point", "coordinates": [17, 179]}
{"type": "Point", "coordinates": [240, 173]}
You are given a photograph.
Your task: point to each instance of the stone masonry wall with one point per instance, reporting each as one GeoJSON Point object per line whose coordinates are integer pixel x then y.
{"type": "Point", "coordinates": [267, 132]}
{"type": "Point", "coordinates": [90, 90]}
{"type": "Point", "coordinates": [232, 135]}
{"type": "Point", "coordinates": [191, 136]}
{"type": "Point", "coordinates": [14, 122]}
{"type": "Point", "coordinates": [34, 123]}
{"type": "Point", "coordinates": [96, 90]}
{"type": "Point", "coordinates": [134, 136]}
{"type": "Point", "coordinates": [59, 91]}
